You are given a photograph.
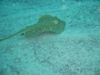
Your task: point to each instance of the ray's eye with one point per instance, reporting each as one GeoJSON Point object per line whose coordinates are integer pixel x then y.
{"type": "Point", "coordinates": [56, 21]}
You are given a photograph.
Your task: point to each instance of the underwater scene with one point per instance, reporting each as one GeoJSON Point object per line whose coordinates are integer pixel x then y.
{"type": "Point", "coordinates": [49, 37]}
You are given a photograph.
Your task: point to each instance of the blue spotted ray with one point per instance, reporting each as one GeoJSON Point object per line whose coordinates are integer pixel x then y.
{"type": "Point", "coordinates": [46, 23]}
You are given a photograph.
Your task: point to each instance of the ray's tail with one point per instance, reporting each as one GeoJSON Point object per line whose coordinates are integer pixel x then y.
{"type": "Point", "coordinates": [19, 32]}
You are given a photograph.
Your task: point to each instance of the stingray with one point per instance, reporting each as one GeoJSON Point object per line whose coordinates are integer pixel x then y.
{"type": "Point", "coordinates": [46, 23]}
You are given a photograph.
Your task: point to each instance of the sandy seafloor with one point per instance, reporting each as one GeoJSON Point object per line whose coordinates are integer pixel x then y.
{"type": "Point", "coordinates": [76, 51]}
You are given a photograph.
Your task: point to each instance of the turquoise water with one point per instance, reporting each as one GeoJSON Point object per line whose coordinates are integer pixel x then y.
{"type": "Point", "coordinates": [75, 51]}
